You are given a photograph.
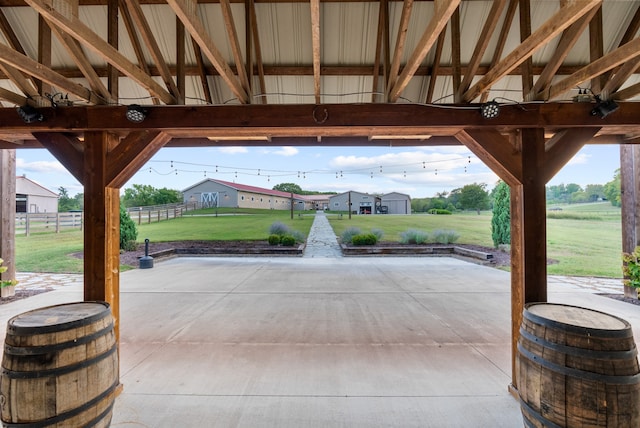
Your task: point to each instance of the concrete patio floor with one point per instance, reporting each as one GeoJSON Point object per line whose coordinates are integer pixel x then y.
{"type": "Point", "coordinates": [318, 342]}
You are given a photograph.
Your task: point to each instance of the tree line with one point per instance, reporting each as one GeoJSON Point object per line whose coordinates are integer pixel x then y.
{"type": "Point", "coordinates": [469, 197]}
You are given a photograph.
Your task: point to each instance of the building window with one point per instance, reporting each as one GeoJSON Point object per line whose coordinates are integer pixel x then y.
{"type": "Point", "coordinates": [242, 198]}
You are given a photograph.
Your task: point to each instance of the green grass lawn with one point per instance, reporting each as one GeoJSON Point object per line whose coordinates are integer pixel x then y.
{"type": "Point", "coordinates": [581, 246]}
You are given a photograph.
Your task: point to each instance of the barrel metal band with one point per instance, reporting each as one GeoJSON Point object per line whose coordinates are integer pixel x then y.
{"type": "Point", "coordinates": [11, 374]}
{"type": "Point", "coordinates": [596, 332]}
{"type": "Point", "coordinates": [609, 379]}
{"type": "Point", "coordinates": [71, 413]}
{"type": "Point", "coordinates": [45, 349]}
{"type": "Point", "coordinates": [580, 352]}
{"type": "Point", "coordinates": [27, 331]}
{"type": "Point", "coordinates": [537, 416]}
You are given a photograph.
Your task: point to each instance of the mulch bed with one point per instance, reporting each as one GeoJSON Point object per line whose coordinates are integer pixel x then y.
{"type": "Point", "coordinates": [621, 298]}
{"type": "Point", "coordinates": [23, 294]}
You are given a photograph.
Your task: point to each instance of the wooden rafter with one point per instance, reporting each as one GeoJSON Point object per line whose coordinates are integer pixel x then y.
{"type": "Point", "coordinates": [202, 71]}
{"type": "Point", "coordinates": [382, 11]}
{"type": "Point", "coordinates": [258, 51]}
{"type": "Point", "coordinates": [113, 75]}
{"type": "Point", "coordinates": [75, 52]}
{"type": "Point", "coordinates": [567, 41]}
{"type": "Point", "coordinates": [456, 61]}
{"type": "Point", "coordinates": [436, 67]}
{"type": "Point", "coordinates": [135, 41]}
{"type": "Point", "coordinates": [186, 10]}
{"type": "Point", "coordinates": [526, 67]}
{"type": "Point", "coordinates": [229, 24]}
{"type": "Point", "coordinates": [401, 38]}
{"type": "Point", "coordinates": [35, 69]}
{"type": "Point", "coordinates": [596, 47]}
{"type": "Point", "coordinates": [483, 42]}
{"type": "Point", "coordinates": [611, 60]}
{"type": "Point", "coordinates": [152, 46]}
{"type": "Point", "coordinates": [562, 19]}
{"type": "Point", "coordinates": [315, 43]}
{"type": "Point", "coordinates": [12, 39]}
{"type": "Point", "coordinates": [442, 13]}
{"type": "Point", "coordinates": [79, 30]}
{"type": "Point", "coordinates": [131, 154]}
{"type": "Point", "coordinates": [67, 149]}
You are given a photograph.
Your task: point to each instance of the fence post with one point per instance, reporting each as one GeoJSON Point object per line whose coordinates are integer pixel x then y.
{"type": "Point", "coordinates": [26, 224]}
{"type": "Point", "coordinates": [57, 222]}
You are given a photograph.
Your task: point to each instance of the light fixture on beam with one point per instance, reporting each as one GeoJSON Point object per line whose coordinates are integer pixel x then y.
{"type": "Point", "coordinates": [604, 108]}
{"type": "Point", "coordinates": [400, 137]}
{"type": "Point", "coordinates": [241, 138]}
{"type": "Point", "coordinates": [490, 110]}
{"type": "Point", "coordinates": [136, 113]}
{"type": "Point", "coordinates": [30, 114]}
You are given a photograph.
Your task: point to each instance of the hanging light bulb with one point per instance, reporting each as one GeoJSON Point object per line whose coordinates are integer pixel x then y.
{"type": "Point", "coordinates": [469, 159]}
{"type": "Point", "coordinates": [381, 168]}
{"type": "Point", "coordinates": [405, 174]}
{"type": "Point", "coordinates": [371, 174]}
{"type": "Point", "coordinates": [216, 168]}
{"type": "Point", "coordinates": [436, 172]}
{"type": "Point", "coordinates": [423, 165]}
{"type": "Point", "coordinates": [171, 164]}
{"type": "Point", "coordinates": [258, 171]}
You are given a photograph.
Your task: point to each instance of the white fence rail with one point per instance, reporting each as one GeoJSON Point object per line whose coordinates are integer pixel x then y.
{"type": "Point", "coordinates": [28, 223]}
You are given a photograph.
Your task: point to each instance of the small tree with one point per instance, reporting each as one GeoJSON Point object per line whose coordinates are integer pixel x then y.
{"type": "Point", "coordinates": [501, 220]}
{"type": "Point", "coordinates": [128, 231]}
{"type": "Point", "coordinates": [474, 197]}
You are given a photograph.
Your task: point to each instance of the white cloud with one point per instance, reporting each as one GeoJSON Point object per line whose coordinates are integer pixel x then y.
{"type": "Point", "coordinates": [579, 159]}
{"type": "Point", "coordinates": [233, 150]}
{"type": "Point", "coordinates": [286, 151]}
{"type": "Point", "coordinates": [23, 166]}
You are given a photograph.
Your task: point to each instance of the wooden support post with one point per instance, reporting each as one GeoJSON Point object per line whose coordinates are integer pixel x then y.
{"type": "Point", "coordinates": [102, 225]}
{"type": "Point", "coordinates": [8, 211]}
{"type": "Point", "coordinates": [630, 201]}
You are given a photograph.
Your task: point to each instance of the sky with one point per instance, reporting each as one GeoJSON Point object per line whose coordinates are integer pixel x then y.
{"type": "Point", "coordinates": [417, 171]}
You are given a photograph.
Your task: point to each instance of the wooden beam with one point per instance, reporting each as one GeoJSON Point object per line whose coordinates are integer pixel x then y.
{"type": "Point", "coordinates": [488, 29]}
{"type": "Point", "coordinates": [443, 11]}
{"type": "Point", "coordinates": [496, 151]}
{"type": "Point", "coordinates": [131, 154]}
{"type": "Point", "coordinates": [81, 32]}
{"type": "Point", "coordinates": [102, 226]}
{"type": "Point", "coordinates": [35, 69]}
{"type": "Point", "coordinates": [377, 62]}
{"type": "Point", "coordinates": [456, 62]}
{"type": "Point", "coordinates": [44, 53]}
{"type": "Point", "coordinates": [258, 52]}
{"type": "Point", "coordinates": [66, 149]}
{"type": "Point", "coordinates": [435, 70]}
{"type": "Point", "coordinates": [202, 72]}
{"type": "Point", "coordinates": [152, 46]}
{"type": "Point", "coordinates": [315, 47]}
{"type": "Point", "coordinates": [566, 16]}
{"type": "Point", "coordinates": [180, 60]}
{"type": "Point", "coordinates": [596, 48]}
{"type": "Point", "coordinates": [562, 147]}
{"type": "Point", "coordinates": [8, 212]}
{"type": "Point", "coordinates": [526, 68]}
{"type": "Point", "coordinates": [609, 61]}
{"type": "Point", "coordinates": [74, 49]}
{"type": "Point", "coordinates": [186, 10]}
{"type": "Point", "coordinates": [308, 119]}
{"type": "Point", "coordinates": [113, 74]}
{"type": "Point", "coordinates": [229, 24]}
{"type": "Point", "coordinates": [567, 41]}
{"type": "Point", "coordinates": [630, 202]}
{"type": "Point", "coordinates": [401, 39]}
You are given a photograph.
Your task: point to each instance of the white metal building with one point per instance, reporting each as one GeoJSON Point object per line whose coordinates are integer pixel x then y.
{"type": "Point", "coordinates": [31, 197]}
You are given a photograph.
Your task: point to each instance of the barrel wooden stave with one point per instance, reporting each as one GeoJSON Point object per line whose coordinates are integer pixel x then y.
{"type": "Point", "coordinates": [577, 377]}
{"type": "Point", "coordinates": [63, 377]}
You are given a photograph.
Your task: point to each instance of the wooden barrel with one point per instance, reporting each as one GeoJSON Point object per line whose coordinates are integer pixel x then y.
{"type": "Point", "coordinates": [60, 367]}
{"type": "Point", "coordinates": [577, 367]}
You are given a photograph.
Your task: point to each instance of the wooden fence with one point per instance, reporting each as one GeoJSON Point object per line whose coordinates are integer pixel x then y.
{"type": "Point", "coordinates": [27, 223]}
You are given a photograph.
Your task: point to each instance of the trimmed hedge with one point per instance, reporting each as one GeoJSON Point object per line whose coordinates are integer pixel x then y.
{"type": "Point", "coordinates": [364, 239]}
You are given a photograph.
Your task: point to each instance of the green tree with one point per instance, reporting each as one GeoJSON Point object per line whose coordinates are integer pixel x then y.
{"type": "Point", "coordinates": [128, 230]}
{"type": "Point", "coordinates": [612, 189]}
{"type": "Point", "coordinates": [288, 187]}
{"type": "Point", "coordinates": [501, 219]}
{"type": "Point", "coordinates": [474, 197]}
{"type": "Point", "coordinates": [140, 195]}
{"type": "Point", "coordinates": [67, 203]}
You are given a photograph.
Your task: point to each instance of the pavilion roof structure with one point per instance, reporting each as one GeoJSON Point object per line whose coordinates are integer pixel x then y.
{"type": "Point", "coordinates": [452, 54]}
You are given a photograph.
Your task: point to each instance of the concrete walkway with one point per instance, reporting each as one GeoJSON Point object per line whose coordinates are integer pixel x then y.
{"type": "Point", "coordinates": [322, 241]}
{"type": "Point", "coordinates": [318, 341]}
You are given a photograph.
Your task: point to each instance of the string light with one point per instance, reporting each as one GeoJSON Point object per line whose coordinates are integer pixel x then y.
{"type": "Point", "coordinates": [405, 169]}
